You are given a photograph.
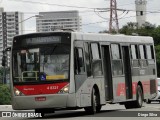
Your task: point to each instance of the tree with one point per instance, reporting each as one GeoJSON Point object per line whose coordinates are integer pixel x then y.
{"type": "Point", "coordinates": [104, 31]}
{"type": "Point", "coordinates": [156, 35]}
{"type": "Point", "coordinates": [7, 71]}
{"type": "Point", "coordinates": [1, 75]}
{"type": "Point", "coordinates": [129, 29]}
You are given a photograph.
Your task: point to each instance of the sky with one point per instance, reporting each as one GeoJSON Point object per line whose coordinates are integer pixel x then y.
{"type": "Point", "coordinates": [93, 20]}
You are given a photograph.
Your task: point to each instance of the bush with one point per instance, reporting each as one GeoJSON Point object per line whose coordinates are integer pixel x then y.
{"type": "Point", "coordinates": [5, 95]}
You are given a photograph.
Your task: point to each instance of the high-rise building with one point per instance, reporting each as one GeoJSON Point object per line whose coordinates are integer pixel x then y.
{"type": "Point", "coordinates": [51, 21]}
{"type": "Point", "coordinates": [141, 11]}
{"type": "Point", "coordinates": [9, 27]}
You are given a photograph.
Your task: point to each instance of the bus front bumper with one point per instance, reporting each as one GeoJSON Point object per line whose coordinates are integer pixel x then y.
{"type": "Point", "coordinates": [56, 101]}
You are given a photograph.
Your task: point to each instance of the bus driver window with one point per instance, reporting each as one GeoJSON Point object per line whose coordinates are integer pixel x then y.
{"type": "Point", "coordinates": [79, 61]}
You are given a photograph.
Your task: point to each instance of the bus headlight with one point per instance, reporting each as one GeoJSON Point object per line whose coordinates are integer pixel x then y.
{"type": "Point", "coordinates": [64, 89]}
{"type": "Point", "coordinates": [17, 92]}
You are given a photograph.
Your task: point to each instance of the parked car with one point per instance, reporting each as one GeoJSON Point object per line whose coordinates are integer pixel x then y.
{"type": "Point", "coordinates": [157, 98]}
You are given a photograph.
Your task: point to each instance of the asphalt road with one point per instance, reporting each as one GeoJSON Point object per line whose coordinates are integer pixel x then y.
{"type": "Point", "coordinates": [108, 112]}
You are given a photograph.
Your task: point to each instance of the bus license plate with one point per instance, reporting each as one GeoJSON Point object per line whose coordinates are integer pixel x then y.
{"type": "Point", "coordinates": [40, 98]}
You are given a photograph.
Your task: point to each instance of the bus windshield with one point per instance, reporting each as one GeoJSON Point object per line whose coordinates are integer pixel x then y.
{"type": "Point", "coordinates": [41, 64]}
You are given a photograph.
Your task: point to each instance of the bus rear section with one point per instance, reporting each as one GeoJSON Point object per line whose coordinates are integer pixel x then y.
{"type": "Point", "coordinates": [114, 69]}
{"type": "Point", "coordinates": [41, 71]}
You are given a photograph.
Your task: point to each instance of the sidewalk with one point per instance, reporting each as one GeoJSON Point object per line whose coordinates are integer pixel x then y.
{"type": "Point", "coordinates": [6, 108]}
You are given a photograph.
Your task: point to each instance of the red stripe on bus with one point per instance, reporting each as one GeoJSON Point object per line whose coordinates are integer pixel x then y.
{"type": "Point", "coordinates": [121, 91]}
{"type": "Point", "coordinates": [40, 89]}
{"type": "Point", "coordinates": [121, 88]}
{"type": "Point", "coordinates": [134, 88]}
{"type": "Point", "coordinates": [146, 86]}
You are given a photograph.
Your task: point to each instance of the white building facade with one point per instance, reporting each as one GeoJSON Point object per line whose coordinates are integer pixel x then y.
{"type": "Point", "coordinates": [9, 27]}
{"type": "Point", "coordinates": [51, 21]}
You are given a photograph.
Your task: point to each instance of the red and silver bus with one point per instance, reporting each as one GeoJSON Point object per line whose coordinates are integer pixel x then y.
{"type": "Point", "coordinates": [71, 70]}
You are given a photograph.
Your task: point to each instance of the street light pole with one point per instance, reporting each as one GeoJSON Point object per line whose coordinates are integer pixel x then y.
{"type": "Point", "coordinates": [30, 18]}
{"type": "Point", "coordinates": [4, 71]}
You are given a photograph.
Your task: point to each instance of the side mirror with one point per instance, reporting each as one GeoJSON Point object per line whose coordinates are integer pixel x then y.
{"type": "Point", "coordinates": [8, 49]}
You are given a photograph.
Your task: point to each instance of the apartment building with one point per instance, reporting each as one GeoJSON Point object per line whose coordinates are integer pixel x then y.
{"type": "Point", "coordinates": [9, 27]}
{"type": "Point", "coordinates": [51, 21]}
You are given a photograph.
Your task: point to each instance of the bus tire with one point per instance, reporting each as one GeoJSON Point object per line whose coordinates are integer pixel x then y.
{"type": "Point", "coordinates": [129, 105]}
{"type": "Point", "coordinates": [139, 97]}
{"type": "Point", "coordinates": [95, 103]}
{"type": "Point", "coordinates": [148, 101]}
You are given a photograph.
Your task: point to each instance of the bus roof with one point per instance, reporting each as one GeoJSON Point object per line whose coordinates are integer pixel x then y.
{"type": "Point", "coordinates": [112, 38]}
{"type": "Point", "coordinates": [98, 37]}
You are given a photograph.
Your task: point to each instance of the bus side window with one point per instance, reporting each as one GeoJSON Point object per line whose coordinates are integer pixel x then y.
{"type": "Point", "coordinates": [79, 61]}
{"type": "Point", "coordinates": [150, 59]}
{"type": "Point", "coordinates": [96, 60]}
{"type": "Point", "coordinates": [87, 59]}
{"type": "Point", "coordinates": [143, 56]}
{"type": "Point", "coordinates": [134, 56]}
{"type": "Point", "coordinates": [117, 66]}
{"type": "Point", "coordinates": [150, 54]}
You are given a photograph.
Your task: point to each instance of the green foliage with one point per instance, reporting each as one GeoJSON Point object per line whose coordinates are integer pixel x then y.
{"type": "Point", "coordinates": [7, 71]}
{"type": "Point", "coordinates": [5, 95]}
{"type": "Point", "coordinates": [129, 28]}
{"type": "Point", "coordinates": [1, 75]}
{"type": "Point", "coordinates": [156, 35]}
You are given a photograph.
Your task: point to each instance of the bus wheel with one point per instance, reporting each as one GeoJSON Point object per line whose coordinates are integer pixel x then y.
{"type": "Point", "coordinates": [139, 97]}
{"type": "Point", "coordinates": [95, 103]}
{"type": "Point", "coordinates": [129, 105]}
{"type": "Point", "coordinates": [40, 111]}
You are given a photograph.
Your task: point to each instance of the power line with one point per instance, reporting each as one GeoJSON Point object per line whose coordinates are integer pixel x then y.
{"type": "Point", "coordinates": [124, 15]}
{"type": "Point", "coordinates": [126, 4]}
{"type": "Point", "coordinates": [157, 11]}
{"type": "Point", "coordinates": [100, 10]}
{"type": "Point", "coordinates": [67, 5]}
{"type": "Point", "coordinates": [42, 3]}
{"type": "Point", "coordinates": [130, 10]}
{"type": "Point", "coordinates": [94, 23]}
{"type": "Point", "coordinates": [85, 11]}
{"type": "Point", "coordinates": [97, 13]}
{"type": "Point", "coordinates": [104, 9]}
{"type": "Point", "coordinates": [108, 21]}
{"type": "Point", "coordinates": [99, 22]}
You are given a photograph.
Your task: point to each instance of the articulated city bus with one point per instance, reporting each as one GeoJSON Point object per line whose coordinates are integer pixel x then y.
{"type": "Point", "coordinates": [70, 70]}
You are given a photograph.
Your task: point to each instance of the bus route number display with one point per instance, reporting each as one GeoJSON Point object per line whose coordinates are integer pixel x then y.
{"type": "Point", "coordinates": [42, 40]}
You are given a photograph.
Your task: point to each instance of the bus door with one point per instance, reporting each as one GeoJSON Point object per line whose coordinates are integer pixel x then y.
{"type": "Point", "coordinates": [107, 72]}
{"type": "Point", "coordinates": [79, 64]}
{"type": "Point", "coordinates": [127, 71]}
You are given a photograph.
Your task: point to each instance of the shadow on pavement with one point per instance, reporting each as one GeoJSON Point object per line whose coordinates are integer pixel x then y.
{"type": "Point", "coordinates": [70, 114]}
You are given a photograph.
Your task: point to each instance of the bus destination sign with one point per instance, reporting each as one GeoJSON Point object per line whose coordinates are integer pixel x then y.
{"type": "Point", "coordinates": [43, 40]}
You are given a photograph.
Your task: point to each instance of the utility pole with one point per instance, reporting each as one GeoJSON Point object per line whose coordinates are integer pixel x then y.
{"type": "Point", "coordinates": [113, 23]}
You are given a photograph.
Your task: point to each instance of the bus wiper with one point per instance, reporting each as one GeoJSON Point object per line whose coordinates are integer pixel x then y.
{"type": "Point", "coordinates": [53, 49]}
